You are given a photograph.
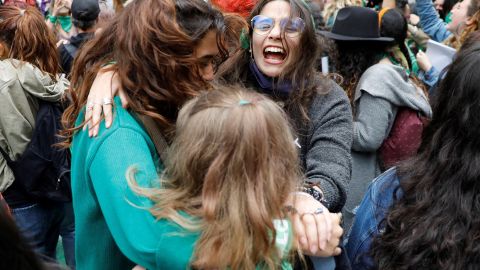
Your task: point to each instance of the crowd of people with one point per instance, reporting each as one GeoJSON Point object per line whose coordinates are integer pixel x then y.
{"type": "Point", "coordinates": [240, 134]}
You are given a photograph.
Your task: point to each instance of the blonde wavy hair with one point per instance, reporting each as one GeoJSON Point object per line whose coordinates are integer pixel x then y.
{"type": "Point", "coordinates": [233, 164]}
{"type": "Point", "coordinates": [334, 6]}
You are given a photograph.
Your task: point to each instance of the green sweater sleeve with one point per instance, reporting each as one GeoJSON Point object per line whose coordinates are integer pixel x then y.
{"type": "Point", "coordinates": [133, 228]}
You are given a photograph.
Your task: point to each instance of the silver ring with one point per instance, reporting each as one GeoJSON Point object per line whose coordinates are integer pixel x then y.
{"type": "Point", "coordinates": [107, 101]}
{"type": "Point", "coordinates": [318, 211]}
{"type": "Point", "coordinates": [90, 105]}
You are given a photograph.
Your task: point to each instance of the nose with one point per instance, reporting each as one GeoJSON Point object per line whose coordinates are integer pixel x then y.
{"type": "Point", "coordinates": [207, 73]}
{"type": "Point", "coordinates": [276, 32]}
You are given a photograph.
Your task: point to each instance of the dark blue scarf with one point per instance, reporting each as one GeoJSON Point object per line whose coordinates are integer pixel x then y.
{"type": "Point", "coordinates": [269, 85]}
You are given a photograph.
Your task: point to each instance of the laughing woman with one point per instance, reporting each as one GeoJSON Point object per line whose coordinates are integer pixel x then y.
{"type": "Point", "coordinates": [278, 59]}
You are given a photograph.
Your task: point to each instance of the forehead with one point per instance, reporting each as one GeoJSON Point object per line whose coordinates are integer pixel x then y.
{"type": "Point", "coordinates": [207, 45]}
{"type": "Point", "coordinates": [276, 9]}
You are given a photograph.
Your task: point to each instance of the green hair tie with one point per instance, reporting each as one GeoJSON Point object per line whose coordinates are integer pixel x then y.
{"type": "Point", "coordinates": [244, 40]}
{"type": "Point", "coordinates": [243, 102]}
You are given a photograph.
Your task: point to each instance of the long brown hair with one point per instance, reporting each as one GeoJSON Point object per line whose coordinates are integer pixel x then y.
{"type": "Point", "coordinates": [153, 47]}
{"type": "Point", "coordinates": [27, 38]}
{"type": "Point", "coordinates": [307, 83]}
{"type": "Point", "coordinates": [233, 163]}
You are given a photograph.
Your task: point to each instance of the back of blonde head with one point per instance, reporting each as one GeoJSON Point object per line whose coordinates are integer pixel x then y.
{"type": "Point", "coordinates": [234, 164]}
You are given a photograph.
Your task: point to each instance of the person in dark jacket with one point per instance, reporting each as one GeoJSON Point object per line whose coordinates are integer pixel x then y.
{"type": "Point", "coordinates": [84, 18]}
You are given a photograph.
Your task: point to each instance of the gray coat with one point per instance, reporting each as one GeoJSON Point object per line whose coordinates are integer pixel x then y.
{"type": "Point", "coordinates": [325, 152]}
{"type": "Point", "coordinates": [382, 89]}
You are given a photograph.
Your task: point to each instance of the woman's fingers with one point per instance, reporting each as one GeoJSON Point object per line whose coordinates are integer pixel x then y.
{"type": "Point", "coordinates": [107, 111]}
{"type": "Point", "coordinates": [322, 230]}
{"type": "Point", "coordinates": [96, 116]}
{"type": "Point", "coordinates": [104, 87]}
{"type": "Point", "coordinates": [300, 232]}
{"type": "Point", "coordinates": [311, 231]}
{"type": "Point", "coordinates": [88, 115]}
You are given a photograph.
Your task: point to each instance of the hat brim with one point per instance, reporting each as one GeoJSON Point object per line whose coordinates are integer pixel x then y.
{"type": "Point", "coordinates": [331, 35]}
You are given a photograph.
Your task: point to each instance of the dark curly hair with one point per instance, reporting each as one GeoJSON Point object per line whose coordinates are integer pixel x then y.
{"type": "Point", "coordinates": [352, 59]}
{"type": "Point", "coordinates": [436, 223]}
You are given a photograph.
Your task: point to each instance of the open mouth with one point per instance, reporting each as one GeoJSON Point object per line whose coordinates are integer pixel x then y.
{"type": "Point", "coordinates": [274, 53]}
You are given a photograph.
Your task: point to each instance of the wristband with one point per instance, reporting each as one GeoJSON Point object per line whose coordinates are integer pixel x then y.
{"type": "Point", "coordinates": [317, 194]}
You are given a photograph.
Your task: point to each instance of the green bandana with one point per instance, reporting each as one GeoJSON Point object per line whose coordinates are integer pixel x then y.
{"type": "Point", "coordinates": [413, 59]}
{"type": "Point", "coordinates": [448, 18]}
{"type": "Point", "coordinates": [65, 23]}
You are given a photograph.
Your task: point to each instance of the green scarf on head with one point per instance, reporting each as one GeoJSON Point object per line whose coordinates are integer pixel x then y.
{"type": "Point", "coordinates": [65, 23]}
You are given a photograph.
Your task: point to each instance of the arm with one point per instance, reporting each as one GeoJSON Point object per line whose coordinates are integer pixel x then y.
{"type": "Point", "coordinates": [430, 78]}
{"type": "Point", "coordinates": [418, 35]}
{"type": "Point", "coordinates": [328, 157]}
{"type": "Point", "coordinates": [431, 23]}
{"type": "Point", "coordinates": [135, 231]}
{"type": "Point", "coordinates": [370, 128]}
{"type": "Point", "coordinates": [52, 18]}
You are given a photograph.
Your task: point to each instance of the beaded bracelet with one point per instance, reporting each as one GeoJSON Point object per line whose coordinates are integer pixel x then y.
{"type": "Point", "coordinates": [317, 194]}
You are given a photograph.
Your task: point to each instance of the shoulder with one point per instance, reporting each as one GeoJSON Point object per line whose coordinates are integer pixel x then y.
{"type": "Point", "coordinates": [124, 125]}
{"type": "Point", "coordinates": [383, 187]}
{"type": "Point", "coordinates": [8, 71]}
{"type": "Point", "coordinates": [379, 196]}
{"type": "Point", "coordinates": [381, 70]}
{"type": "Point", "coordinates": [330, 102]}
{"type": "Point", "coordinates": [370, 214]}
{"type": "Point", "coordinates": [329, 94]}
{"type": "Point", "coordinates": [383, 80]}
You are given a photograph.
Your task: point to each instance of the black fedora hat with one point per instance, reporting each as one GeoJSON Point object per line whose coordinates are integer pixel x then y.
{"type": "Point", "coordinates": [356, 24]}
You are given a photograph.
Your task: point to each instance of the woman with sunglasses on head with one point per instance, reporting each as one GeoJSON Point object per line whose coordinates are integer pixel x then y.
{"type": "Point", "coordinates": [278, 58]}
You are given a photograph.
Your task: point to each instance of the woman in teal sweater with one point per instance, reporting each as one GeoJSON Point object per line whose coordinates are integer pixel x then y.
{"type": "Point", "coordinates": [113, 231]}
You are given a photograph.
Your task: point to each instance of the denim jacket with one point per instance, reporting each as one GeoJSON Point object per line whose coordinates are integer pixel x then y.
{"type": "Point", "coordinates": [430, 78]}
{"type": "Point", "coordinates": [368, 221]}
{"type": "Point", "coordinates": [431, 23]}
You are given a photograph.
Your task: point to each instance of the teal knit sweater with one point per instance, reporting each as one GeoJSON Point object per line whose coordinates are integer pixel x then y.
{"type": "Point", "coordinates": [114, 230]}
